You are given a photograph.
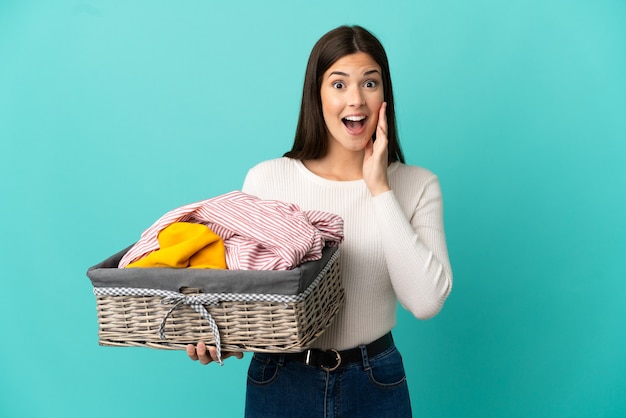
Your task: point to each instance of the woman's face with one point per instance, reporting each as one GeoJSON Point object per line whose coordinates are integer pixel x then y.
{"type": "Point", "coordinates": [351, 94]}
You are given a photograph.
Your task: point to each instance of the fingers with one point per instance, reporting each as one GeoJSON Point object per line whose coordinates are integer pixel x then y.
{"type": "Point", "coordinates": [206, 355]}
{"type": "Point", "coordinates": [199, 353]}
{"type": "Point", "coordinates": [369, 148]}
{"type": "Point", "coordinates": [191, 352]}
{"type": "Point", "coordinates": [213, 353]}
{"type": "Point", "coordinates": [237, 354]}
{"type": "Point", "coordinates": [380, 145]}
{"type": "Point", "coordinates": [381, 128]}
{"type": "Point", "coordinates": [376, 155]}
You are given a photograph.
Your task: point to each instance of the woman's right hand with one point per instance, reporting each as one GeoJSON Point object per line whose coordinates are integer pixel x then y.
{"type": "Point", "coordinates": [375, 159]}
{"type": "Point", "coordinates": [206, 355]}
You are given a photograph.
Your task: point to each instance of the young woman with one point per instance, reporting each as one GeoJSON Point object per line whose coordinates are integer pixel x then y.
{"type": "Point", "coordinates": [346, 159]}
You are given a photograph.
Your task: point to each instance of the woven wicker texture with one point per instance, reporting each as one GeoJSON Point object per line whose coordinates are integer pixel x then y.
{"type": "Point", "coordinates": [244, 326]}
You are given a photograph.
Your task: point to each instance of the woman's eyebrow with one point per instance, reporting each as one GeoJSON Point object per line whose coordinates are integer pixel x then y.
{"type": "Point", "coordinates": [342, 74]}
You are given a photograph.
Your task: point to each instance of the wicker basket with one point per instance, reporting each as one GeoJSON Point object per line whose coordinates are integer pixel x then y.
{"type": "Point", "coordinates": [153, 315]}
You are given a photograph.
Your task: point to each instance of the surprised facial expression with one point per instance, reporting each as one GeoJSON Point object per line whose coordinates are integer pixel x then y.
{"type": "Point", "coordinates": [351, 94]}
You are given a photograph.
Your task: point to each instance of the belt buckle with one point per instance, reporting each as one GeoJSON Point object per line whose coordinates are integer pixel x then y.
{"type": "Point", "coordinates": [337, 359]}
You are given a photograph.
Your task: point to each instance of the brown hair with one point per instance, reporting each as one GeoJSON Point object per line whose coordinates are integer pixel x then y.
{"type": "Point", "coordinates": [311, 136]}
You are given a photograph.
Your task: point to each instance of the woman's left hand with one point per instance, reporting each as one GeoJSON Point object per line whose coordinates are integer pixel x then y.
{"type": "Point", "coordinates": [375, 160]}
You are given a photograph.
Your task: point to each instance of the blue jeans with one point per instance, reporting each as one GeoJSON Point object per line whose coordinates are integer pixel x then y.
{"type": "Point", "coordinates": [375, 387]}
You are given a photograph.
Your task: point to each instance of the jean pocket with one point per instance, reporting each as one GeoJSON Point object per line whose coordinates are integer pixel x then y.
{"type": "Point", "coordinates": [387, 370]}
{"type": "Point", "coordinates": [263, 370]}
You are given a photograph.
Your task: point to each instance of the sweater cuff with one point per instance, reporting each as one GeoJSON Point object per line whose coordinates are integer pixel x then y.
{"type": "Point", "coordinates": [386, 201]}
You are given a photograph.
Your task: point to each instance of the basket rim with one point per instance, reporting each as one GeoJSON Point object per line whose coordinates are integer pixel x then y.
{"type": "Point", "coordinates": [211, 281]}
{"type": "Point", "coordinates": [214, 298]}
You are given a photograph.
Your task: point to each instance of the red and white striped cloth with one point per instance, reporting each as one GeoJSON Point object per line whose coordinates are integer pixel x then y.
{"type": "Point", "coordinates": [258, 234]}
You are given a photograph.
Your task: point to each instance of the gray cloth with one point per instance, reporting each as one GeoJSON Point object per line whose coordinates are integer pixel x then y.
{"type": "Point", "coordinates": [281, 282]}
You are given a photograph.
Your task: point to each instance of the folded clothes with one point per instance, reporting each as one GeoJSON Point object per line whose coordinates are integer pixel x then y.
{"type": "Point", "coordinates": [184, 244]}
{"type": "Point", "coordinates": [257, 234]}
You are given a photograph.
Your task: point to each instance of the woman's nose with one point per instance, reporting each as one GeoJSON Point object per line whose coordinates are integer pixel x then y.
{"type": "Point", "coordinates": [356, 97]}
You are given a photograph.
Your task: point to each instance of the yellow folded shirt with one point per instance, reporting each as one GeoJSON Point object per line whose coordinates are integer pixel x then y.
{"type": "Point", "coordinates": [184, 244]}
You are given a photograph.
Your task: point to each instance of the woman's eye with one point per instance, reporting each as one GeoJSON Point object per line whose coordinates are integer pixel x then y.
{"type": "Point", "coordinates": [338, 85]}
{"type": "Point", "coordinates": [370, 84]}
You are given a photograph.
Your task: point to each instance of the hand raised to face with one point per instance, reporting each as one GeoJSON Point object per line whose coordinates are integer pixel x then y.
{"type": "Point", "coordinates": [375, 161]}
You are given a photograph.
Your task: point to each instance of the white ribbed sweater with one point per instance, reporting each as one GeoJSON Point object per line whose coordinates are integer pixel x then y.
{"type": "Point", "coordinates": [394, 248]}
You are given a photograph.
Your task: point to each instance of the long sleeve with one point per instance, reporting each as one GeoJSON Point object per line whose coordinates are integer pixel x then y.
{"type": "Point", "coordinates": [394, 248]}
{"type": "Point", "coordinates": [415, 249]}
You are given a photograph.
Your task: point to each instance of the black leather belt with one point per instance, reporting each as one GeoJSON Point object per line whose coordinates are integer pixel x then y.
{"type": "Point", "coordinates": [330, 360]}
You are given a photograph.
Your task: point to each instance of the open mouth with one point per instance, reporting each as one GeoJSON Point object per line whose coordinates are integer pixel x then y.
{"type": "Point", "coordinates": [354, 123]}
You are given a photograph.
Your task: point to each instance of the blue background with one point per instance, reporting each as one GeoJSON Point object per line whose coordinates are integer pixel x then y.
{"type": "Point", "coordinates": [112, 113]}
